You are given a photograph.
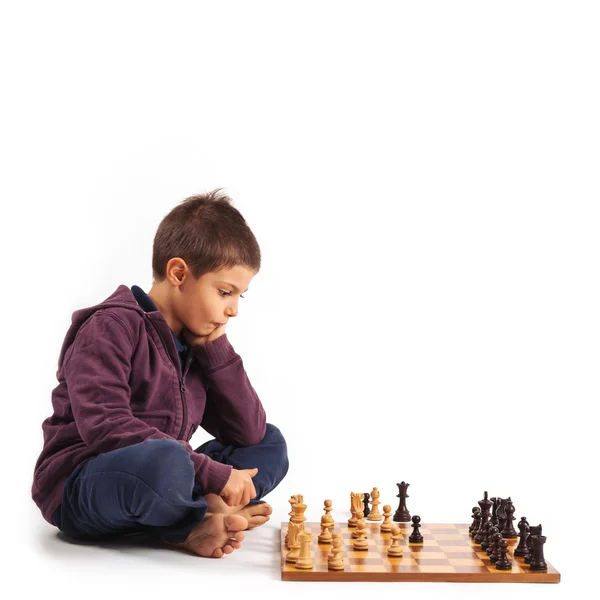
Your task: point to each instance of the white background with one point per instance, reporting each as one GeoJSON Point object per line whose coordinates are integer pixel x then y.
{"type": "Point", "coordinates": [422, 179]}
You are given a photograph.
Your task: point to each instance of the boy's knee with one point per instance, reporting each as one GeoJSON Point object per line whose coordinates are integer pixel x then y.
{"type": "Point", "coordinates": [274, 437]}
{"type": "Point", "coordinates": [165, 463]}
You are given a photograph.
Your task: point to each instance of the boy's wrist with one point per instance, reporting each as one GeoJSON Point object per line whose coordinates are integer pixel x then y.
{"type": "Point", "coordinates": [215, 353]}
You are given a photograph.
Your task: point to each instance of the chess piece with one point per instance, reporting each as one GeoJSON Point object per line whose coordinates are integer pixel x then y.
{"type": "Point", "coordinates": [483, 532]}
{"type": "Point", "coordinates": [366, 509]}
{"type": "Point", "coordinates": [503, 564]}
{"type": "Point", "coordinates": [495, 506]}
{"type": "Point", "coordinates": [357, 506]}
{"type": "Point", "coordinates": [326, 524]}
{"type": "Point", "coordinates": [293, 500]}
{"type": "Point", "coordinates": [537, 562]}
{"type": "Point", "coordinates": [533, 530]}
{"type": "Point", "coordinates": [298, 509]}
{"type": "Point", "coordinates": [395, 549]}
{"type": "Point", "coordinates": [359, 519]}
{"type": "Point", "coordinates": [387, 523]}
{"type": "Point", "coordinates": [304, 560]}
{"type": "Point", "coordinates": [485, 544]}
{"type": "Point", "coordinates": [361, 543]}
{"type": "Point", "coordinates": [509, 532]}
{"type": "Point", "coordinates": [476, 512]}
{"type": "Point", "coordinates": [374, 514]}
{"type": "Point", "coordinates": [402, 515]}
{"type": "Point", "coordinates": [485, 515]}
{"type": "Point", "coordinates": [495, 546]}
{"type": "Point", "coordinates": [294, 530]}
{"type": "Point", "coordinates": [500, 514]}
{"type": "Point", "coordinates": [335, 558]}
{"type": "Point", "coordinates": [415, 536]}
{"type": "Point", "coordinates": [489, 542]}
{"type": "Point", "coordinates": [521, 549]}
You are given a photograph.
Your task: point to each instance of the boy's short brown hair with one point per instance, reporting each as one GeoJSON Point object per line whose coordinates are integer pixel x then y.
{"type": "Point", "coordinates": [209, 233]}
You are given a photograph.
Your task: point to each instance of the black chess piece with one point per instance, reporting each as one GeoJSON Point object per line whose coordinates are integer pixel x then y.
{"type": "Point", "coordinates": [489, 541]}
{"type": "Point", "coordinates": [533, 530]}
{"type": "Point", "coordinates": [537, 562]}
{"type": "Point", "coordinates": [509, 532]}
{"type": "Point", "coordinates": [366, 510]}
{"type": "Point", "coordinates": [484, 531]}
{"type": "Point", "coordinates": [521, 549]}
{"type": "Point", "coordinates": [503, 564]}
{"type": "Point", "coordinates": [502, 514]}
{"type": "Point", "coordinates": [486, 535]}
{"type": "Point", "coordinates": [415, 536]}
{"type": "Point", "coordinates": [402, 515]}
{"type": "Point", "coordinates": [476, 511]}
{"type": "Point", "coordinates": [485, 515]}
{"type": "Point", "coordinates": [496, 505]}
{"type": "Point", "coordinates": [495, 554]}
{"type": "Point", "coordinates": [476, 523]}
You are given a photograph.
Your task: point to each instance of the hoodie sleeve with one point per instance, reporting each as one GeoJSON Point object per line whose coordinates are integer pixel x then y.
{"type": "Point", "coordinates": [234, 413]}
{"type": "Point", "coordinates": [97, 371]}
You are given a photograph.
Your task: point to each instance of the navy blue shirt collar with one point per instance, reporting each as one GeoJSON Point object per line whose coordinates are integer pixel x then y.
{"type": "Point", "coordinates": [147, 304]}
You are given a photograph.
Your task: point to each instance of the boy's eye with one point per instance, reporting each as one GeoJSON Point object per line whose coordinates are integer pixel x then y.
{"type": "Point", "coordinates": [228, 293]}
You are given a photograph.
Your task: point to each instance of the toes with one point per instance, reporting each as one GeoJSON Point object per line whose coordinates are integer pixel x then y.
{"type": "Point", "coordinates": [218, 553]}
{"type": "Point", "coordinates": [227, 549]}
{"type": "Point", "coordinates": [259, 520]}
{"type": "Point", "coordinates": [235, 522]}
{"type": "Point", "coordinates": [235, 544]}
{"type": "Point", "coordinates": [238, 535]}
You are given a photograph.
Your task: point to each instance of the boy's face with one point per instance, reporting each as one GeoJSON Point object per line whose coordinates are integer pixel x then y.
{"type": "Point", "coordinates": [201, 304]}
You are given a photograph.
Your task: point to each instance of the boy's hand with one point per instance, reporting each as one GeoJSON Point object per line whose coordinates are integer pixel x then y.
{"type": "Point", "coordinates": [191, 339]}
{"type": "Point", "coordinates": [239, 489]}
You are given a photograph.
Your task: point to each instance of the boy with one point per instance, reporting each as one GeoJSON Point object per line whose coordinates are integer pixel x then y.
{"type": "Point", "coordinates": [138, 373]}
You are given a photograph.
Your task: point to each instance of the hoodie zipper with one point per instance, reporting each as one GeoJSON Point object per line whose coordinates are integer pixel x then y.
{"type": "Point", "coordinates": [181, 384]}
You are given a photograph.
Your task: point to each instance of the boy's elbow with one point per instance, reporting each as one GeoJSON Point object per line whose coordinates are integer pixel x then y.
{"type": "Point", "coordinates": [258, 435]}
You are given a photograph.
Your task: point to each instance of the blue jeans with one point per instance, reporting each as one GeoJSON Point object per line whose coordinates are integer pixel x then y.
{"type": "Point", "coordinates": [150, 487]}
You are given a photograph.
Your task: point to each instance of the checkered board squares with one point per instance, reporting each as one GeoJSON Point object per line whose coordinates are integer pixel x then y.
{"type": "Point", "coordinates": [447, 554]}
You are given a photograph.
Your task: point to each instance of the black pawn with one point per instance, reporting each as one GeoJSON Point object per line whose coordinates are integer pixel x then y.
{"type": "Point", "coordinates": [521, 549]}
{"type": "Point", "coordinates": [486, 533]}
{"type": "Point", "coordinates": [537, 562]}
{"type": "Point", "coordinates": [533, 530]}
{"type": "Point", "coordinates": [483, 532]}
{"type": "Point", "coordinates": [366, 510]}
{"type": "Point", "coordinates": [509, 531]}
{"type": "Point", "coordinates": [503, 564]}
{"type": "Point", "coordinates": [402, 515]}
{"type": "Point", "coordinates": [476, 512]}
{"type": "Point", "coordinates": [415, 536]}
{"type": "Point", "coordinates": [490, 539]}
{"type": "Point", "coordinates": [495, 554]}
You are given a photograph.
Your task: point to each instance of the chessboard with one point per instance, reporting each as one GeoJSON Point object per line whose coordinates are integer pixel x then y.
{"type": "Point", "coordinates": [447, 553]}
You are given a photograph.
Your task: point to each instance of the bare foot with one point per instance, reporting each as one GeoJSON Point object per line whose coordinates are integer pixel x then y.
{"type": "Point", "coordinates": [255, 514]}
{"type": "Point", "coordinates": [214, 536]}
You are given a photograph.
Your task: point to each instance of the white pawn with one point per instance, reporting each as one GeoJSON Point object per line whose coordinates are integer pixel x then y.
{"type": "Point", "coordinates": [361, 543]}
{"type": "Point", "coordinates": [326, 525]}
{"type": "Point", "coordinates": [395, 549]}
{"type": "Point", "coordinates": [335, 558]}
{"type": "Point", "coordinates": [387, 523]}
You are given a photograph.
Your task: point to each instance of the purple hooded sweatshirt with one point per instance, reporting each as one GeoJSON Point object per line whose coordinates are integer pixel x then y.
{"type": "Point", "coordinates": [121, 381]}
